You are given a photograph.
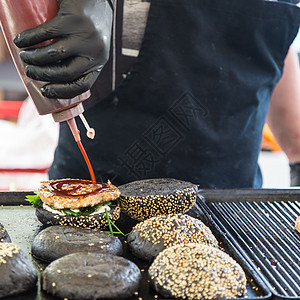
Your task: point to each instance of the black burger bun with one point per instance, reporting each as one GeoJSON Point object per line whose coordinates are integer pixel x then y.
{"type": "Point", "coordinates": [97, 221]}
{"type": "Point", "coordinates": [144, 199]}
{"type": "Point", "coordinates": [148, 238]}
{"type": "Point", "coordinates": [91, 276]}
{"type": "Point", "coordinates": [4, 236]}
{"type": "Point", "coordinates": [57, 241]}
{"type": "Point", "coordinates": [195, 271]}
{"type": "Point", "coordinates": [17, 272]}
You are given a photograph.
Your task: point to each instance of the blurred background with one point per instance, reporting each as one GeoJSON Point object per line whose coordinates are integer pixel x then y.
{"type": "Point", "coordinates": [28, 141]}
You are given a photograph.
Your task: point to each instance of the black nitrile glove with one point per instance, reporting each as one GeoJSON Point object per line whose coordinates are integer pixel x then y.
{"type": "Point", "coordinates": [295, 174]}
{"type": "Point", "coordinates": [74, 61]}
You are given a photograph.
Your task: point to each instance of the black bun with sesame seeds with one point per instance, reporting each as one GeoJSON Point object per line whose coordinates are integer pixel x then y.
{"type": "Point", "coordinates": [91, 276]}
{"type": "Point", "coordinates": [17, 272]}
{"type": "Point", "coordinates": [96, 221]}
{"type": "Point", "coordinates": [148, 238]}
{"type": "Point", "coordinates": [57, 241]}
{"type": "Point", "coordinates": [4, 236]}
{"type": "Point", "coordinates": [195, 271]}
{"type": "Point", "coordinates": [144, 199]}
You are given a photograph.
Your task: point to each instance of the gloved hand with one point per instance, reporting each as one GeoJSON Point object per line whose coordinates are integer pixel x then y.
{"type": "Point", "coordinates": [295, 174]}
{"type": "Point", "coordinates": [82, 32]}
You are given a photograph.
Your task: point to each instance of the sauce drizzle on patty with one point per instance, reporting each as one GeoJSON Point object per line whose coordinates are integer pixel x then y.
{"type": "Point", "coordinates": [75, 188]}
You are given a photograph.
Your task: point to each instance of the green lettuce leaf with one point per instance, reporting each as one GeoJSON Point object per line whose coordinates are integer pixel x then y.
{"type": "Point", "coordinates": [83, 211]}
{"type": "Point", "coordinates": [35, 200]}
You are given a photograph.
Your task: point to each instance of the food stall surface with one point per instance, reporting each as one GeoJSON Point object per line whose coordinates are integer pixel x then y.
{"type": "Point", "coordinates": [255, 227]}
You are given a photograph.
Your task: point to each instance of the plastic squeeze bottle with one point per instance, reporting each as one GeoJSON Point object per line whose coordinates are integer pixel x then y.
{"type": "Point", "coordinates": [17, 16]}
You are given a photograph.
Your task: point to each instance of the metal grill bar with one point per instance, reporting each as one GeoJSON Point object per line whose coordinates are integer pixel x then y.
{"type": "Point", "coordinates": [265, 233]}
{"type": "Point", "coordinates": [245, 235]}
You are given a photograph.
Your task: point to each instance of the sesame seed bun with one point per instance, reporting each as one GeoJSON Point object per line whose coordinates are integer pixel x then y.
{"type": "Point", "coordinates": [17, 272]}
{"type": "Point", "coordinates": [195, 271]}
{"type": "Point", "coordinates": [148, 238]}
{"type": "Point", "coordinates": [59, 201]}
{"type": "Point", "coordinates": [4, 236]}
{"type": "Point", "coordinates": [57, 241]}
{"type": "Point", "coordinates": [91, 276]}
{"type": "Point", "coordinates": [97, 221]}
{"type": "Point", "coordinates": [144, 199]}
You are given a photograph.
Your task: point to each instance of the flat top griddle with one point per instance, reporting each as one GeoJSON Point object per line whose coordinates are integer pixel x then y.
{"type": "Point", "coordinates": [261, 224]}
{"type": "Point", "coordinates": [20, 221]}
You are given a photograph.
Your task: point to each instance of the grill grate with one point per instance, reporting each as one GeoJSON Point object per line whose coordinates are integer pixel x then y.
{"type": "Point", "coordinates": [263, 231]}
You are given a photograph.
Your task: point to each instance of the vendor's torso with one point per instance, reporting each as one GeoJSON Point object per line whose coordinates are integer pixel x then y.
{"type": "Point", "coordinates": [192, 104]}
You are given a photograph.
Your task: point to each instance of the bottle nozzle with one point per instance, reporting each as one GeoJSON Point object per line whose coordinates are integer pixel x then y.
{"type": "Point", "coordinates": [68, 113]}
{"type": "Point", "coordinates": [74, 129]}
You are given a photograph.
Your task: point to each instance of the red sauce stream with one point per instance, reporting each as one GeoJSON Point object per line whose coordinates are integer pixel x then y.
{"type": "Point", "coordinates": [76, 135]}
{"type": "Point", "coordinates": [62, 188]}
{"type": "Point", "coordinates": [77, 187]}
{"type": "Point", "coordinates": [89, 165]}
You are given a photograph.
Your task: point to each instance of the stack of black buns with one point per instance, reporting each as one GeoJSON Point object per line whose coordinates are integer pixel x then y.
{"type": "Point", "coordinates": [186, 261]}
{"type": "Point", "coordinates": [85, 264]}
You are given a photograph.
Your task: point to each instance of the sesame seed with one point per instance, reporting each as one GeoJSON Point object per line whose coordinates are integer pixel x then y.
{"type": "Point", "coordinates": [197, 271]}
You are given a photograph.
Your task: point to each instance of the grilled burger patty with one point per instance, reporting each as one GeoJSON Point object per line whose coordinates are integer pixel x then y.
{"type": "Point", "coordinates": [144, 199]}
{"type": "Point", "coordinates": [76, 193]}
{"type": "Point", "coordinates": [57, 241]}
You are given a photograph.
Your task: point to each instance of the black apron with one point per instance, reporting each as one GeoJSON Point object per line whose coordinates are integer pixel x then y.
{"type": "Point", "coordinates": [194, 104]}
